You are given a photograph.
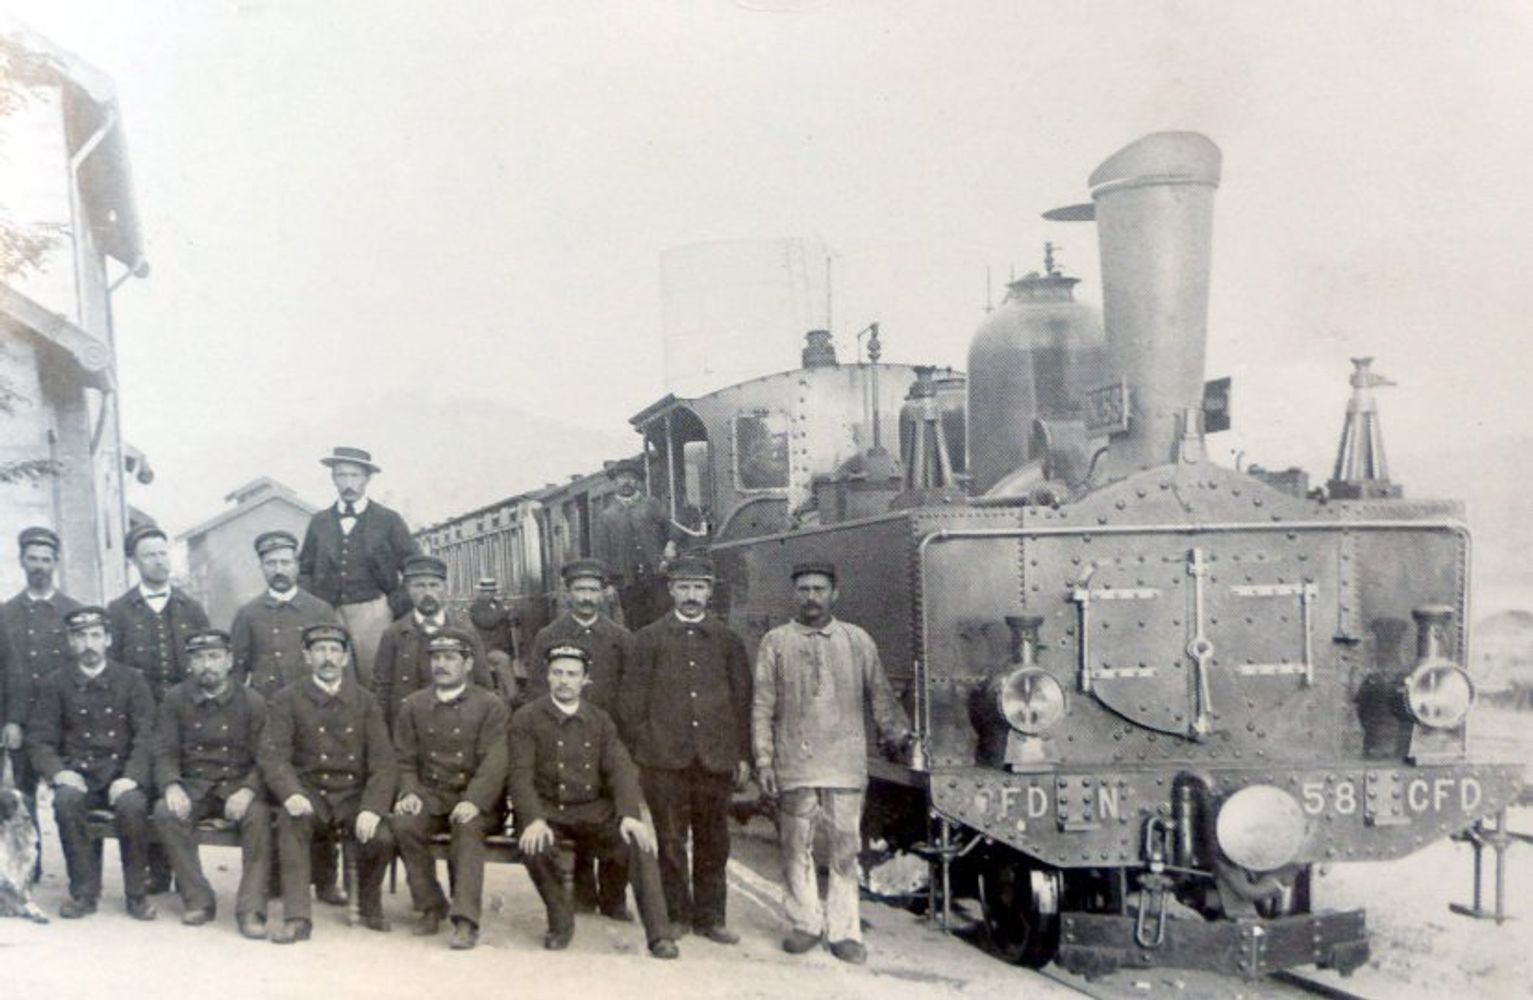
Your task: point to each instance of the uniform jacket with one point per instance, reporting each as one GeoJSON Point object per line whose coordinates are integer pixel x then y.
{"type": "Point", "coordinates": [209, 744]}
{"type": "Point", "coordinates": [569, 768]}
{"type": "Point", "coordinates": [38, 640]}
{"type": "Point", "coordinates": [102, 728]}
{"type": "Point", "coordinates": [268, 639]}
{"type": "Point", "coordinates": [630, 538]}
{"type": "Point", "coordinates": [15, 685]}
{"type": "Point", "coordinates": [331, 747]}
{"type": "Point", "coordinates": [453, 751]}
{"type": "Point", "coordinates": [686, 696]}
{"type": "Point", "coordinates": [403, 664]}
{"type": "Point", "coordinates": [353, 569]}
{"type": "Point", "coordinates": [611, 647]}
{"type": "Point", "coordinates": [153, 643]}
{"type": "Point", "coordinates": [813, 687]}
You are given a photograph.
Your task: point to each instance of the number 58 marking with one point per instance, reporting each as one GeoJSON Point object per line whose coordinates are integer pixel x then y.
{"type": "Point", "coordinates": [1343, 797]}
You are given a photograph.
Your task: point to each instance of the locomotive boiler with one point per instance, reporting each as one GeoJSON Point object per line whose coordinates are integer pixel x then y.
{"type": "Point", "coordinates": [1151, 692]}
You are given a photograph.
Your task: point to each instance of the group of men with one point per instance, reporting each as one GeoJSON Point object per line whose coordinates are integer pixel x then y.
{"type": "Point", "coordinates": [346, 706]}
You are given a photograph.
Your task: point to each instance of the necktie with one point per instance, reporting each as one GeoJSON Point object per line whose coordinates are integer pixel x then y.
{"type": "Point", "coordinates": [350, 510]}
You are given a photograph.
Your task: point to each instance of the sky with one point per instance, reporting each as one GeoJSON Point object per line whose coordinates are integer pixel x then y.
{"type": "Point", "coordinates": [357, 207]}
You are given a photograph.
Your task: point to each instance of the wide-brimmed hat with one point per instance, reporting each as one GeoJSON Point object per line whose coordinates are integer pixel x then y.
{"type": "Point", "coordinates": [350, 456]}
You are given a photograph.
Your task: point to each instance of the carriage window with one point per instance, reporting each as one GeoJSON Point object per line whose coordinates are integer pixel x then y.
{"type": "Point", "coordinates": [761, 450]}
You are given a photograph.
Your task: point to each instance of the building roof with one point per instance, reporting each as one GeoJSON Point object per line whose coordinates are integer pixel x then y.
{"type": "Point", "coordinates": [256, 493]}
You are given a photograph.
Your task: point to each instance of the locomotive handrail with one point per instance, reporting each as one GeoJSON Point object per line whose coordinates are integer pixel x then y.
{"type": "Point", "coordinates": [1458, 528]}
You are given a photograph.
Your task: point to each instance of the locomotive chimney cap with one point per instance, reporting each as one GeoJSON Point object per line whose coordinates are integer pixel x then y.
{"type": "Point", "coordinates": [1159, 158]}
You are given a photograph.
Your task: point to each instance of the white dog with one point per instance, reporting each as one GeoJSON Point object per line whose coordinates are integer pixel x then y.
{"type": "Point", "coordinates": [18, 851]}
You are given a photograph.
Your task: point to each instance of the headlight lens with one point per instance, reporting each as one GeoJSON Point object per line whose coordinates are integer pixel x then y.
{"type": "Point", "coordinates": [1439, 694]}
{"type": "Point", "coordinates": [1031, 701]}
{"type": "Point", "coordinates": [1261, 828]}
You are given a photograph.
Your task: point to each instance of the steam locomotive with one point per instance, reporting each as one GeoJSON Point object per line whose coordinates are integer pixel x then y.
{"type": "Point", "coordinates": [1151, 693]}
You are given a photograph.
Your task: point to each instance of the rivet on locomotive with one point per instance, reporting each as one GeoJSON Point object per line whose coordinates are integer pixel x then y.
{"type": "Point", "coordinates": [1151, 692]}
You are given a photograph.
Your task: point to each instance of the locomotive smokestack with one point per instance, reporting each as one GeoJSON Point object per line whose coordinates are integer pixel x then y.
{"type": "Point", "coordinates": [1154, 204]}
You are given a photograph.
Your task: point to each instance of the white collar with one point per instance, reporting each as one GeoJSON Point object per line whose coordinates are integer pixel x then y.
{"type": "Point", "coordinates": [154, 595]}
{"type": "Point", "coordinates": [691, 621]}
{"type": "Point", "coordinates": [446, 696]}
{"type": "Point", "coordinates": [331, 689]}
{"type": "Point", "coordinates": [585, 624]}
{"type": "Point", "coordinates": [92, 674]}
{"type": "Point", "coordinates": [561, 706]}
{"type": "Point", "coordinates": [284, 596]}
{"type": "Point", "coordinates": [439, 621]}
{"type": "Point", "coordinates": [50, 595]}
{"type": "Point", "coordinates": [359, 506]}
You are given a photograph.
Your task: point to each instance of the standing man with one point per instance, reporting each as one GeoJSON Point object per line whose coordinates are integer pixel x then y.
{"type": "Point", "coordinates": [91, 734]}
{"type": "Point", "coordinates": [352, 556]}
{"type": "Point", "coordinates": [34, 621]}
{"type": "Point", "coordinates": [633, 538]}
{"type": "Point", "coordinates": [611, 647]}
{"type": "Point", "coordinates": [451, 741]}
{"type": "Point", "coordinates": [205, 767]}
{"type": "Point", "coordinates": [815, 676]}
{"type": "Point", "coordinates": [686, 708]}
{"type": "Point", "coordinates": [325, 755]}
{"type": "Point", "coordinates": [571, 778]}
{"type": "Point", "coordinates": [150, 626]}
{"type": "Point", "coordinates": [152, 621]}
{"type": "Point", "coordinates": [403, 664]}
{"type": "Point", "coordinates": [268, 630]}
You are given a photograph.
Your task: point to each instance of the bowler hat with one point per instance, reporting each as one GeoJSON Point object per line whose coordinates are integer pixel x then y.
{"type": "Point", "coordinates": [266, 541]}
{"type": "Point", "coordinates": [577, 568]}
{"type": "Point", "coordinates": [140, 533]}
{"type": "Point", "coordinates": [342, 455]}
{"type": "Point", "coordinates": [38, 536]}
{"type": "Point", "coordinates": [86, 617]}
{"type": "Point", "coordinates": [325, 632]}
{"type": "Point", "coordinates": [690, 567]}
{"type": "Point", "coordinates": [822, 566]}
{"type": "Point", "coordinates": [208, 638]}
{"type": "Point", "coordinates": [425, 566]}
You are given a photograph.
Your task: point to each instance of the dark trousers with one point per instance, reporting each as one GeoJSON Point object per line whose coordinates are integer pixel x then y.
{"type": "Point", "coordinates": [179, 836]}
{"type": "Point", "coordinates": [465, 854]}
{"type": "Point", "coordinates": [600, 884]}
{"type": "Point", "coordinates": [695, 801]}
{"type": "Point", "coordinates": [604, 841]}
{"type": "Point", "coordinates": [295, 840]}
{"type": "Point", "coordinates": [71, 809]}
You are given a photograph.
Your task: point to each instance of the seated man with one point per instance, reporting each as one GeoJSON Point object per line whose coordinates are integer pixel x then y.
{"type": "Point", "coordinates": [91, 731]}
{"type": "Point", "coordinates": [205, 767]}
{"type": "Point", "coordinates": [451, 742]}
{"type": "Point", "coordinates": [570, 777]}
{"type": "Point", "coordinates": [326, 756]}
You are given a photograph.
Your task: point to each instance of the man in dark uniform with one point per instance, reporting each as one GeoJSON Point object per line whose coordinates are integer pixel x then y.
{"type": "Point", "coordinates": [91, 735]}
{"type": "Point", "coordinates": [570, 777]}
{"type": "Point", "coordinates": [34, 621]}
{"type": "Point", "coordinates": [403, 665]}
{"type": "Point", "coordinates": [451, 743]}
{"type": "Point", "coordinates": [492, 620]}
{"type": "Point", "coordinates": [205, 767]}
{"type": "Point", "coordinates": [326, 756]}
{"type": "Point", "coordinates": [150, 626]}
{"type": "Point", "coordinates": [268, 630]}
{"type": "Point", "coordinates": [610, 646]}
{"type": "Point", "coordinates": [352, 556]}
{"type": "Point", "coordinates": [633, 538]}
{"type": "Point", "coordinates": [685, 707]}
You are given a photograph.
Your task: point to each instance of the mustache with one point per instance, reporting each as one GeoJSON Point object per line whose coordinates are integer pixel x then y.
{"type": "Point", "coordinates": [280, 581]}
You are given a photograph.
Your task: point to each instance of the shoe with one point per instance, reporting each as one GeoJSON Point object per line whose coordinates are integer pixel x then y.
{"type": "Point", "coordinates": [291, 931]}
{"type": "Point", "coordinates": [331, 895]}
{"type": "Point", "coordinates": [139, 908]}
{"type": "Point", "coordinates": [464, 935]}
{"type": "Point", "coordinates": [557, 940]}
{"type": "Point", "coordinates": [252, 925]}
{"type": "Point", "coordinates": [619, 912]}
{"type": "Point", "coordinates": [375, 922]}
{"type": "Point", "coordinates": [849, 951]}
{"type": "Point", "coordinates": [428, 924]}
{"type": "Point", "coordinates": [718, 934]}
{"type": "Point", "coordinates": [75, 907]}
{"type": "Point", "coordinates": [797, 942]}
{"type": "Point", "coordinates": [196, 918]}
{"type": "Point", "coordinates": [664, 948]}
{"type": "Point", "coordinates": [159, 886]}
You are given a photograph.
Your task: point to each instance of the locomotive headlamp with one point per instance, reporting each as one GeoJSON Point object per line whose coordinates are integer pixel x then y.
{"type": "Point", "coordinates": [1438, 692]}
{"type": "Point", "coordinates": [1261, 828]}
{"type": "Point", "coordinates": [1031, 701]}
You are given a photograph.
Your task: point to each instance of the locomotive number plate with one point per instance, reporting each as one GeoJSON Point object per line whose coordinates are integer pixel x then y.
{"type": "Point", "coordinates": [1382, 794]}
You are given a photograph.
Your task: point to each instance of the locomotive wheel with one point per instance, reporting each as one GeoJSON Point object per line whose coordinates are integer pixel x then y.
{"type": "Point", "coordinates": [1020, 902]}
